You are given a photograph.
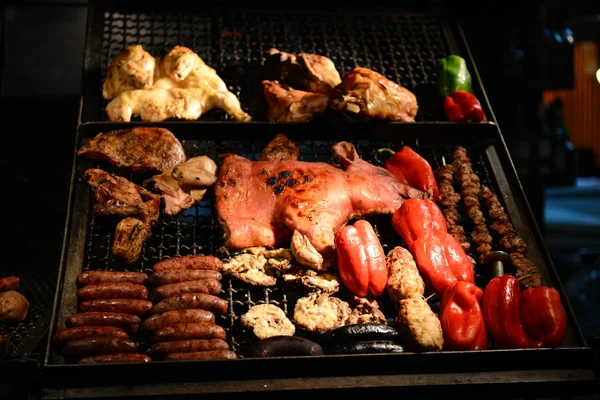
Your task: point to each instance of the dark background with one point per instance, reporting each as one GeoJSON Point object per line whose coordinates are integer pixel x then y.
{"type": "Point", "coordinates": [42, 54]}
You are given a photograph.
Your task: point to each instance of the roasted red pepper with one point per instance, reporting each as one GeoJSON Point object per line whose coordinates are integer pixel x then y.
{"type": "Point", "coordinates": [438, 255]}
{"type": "Point", "coordinates": [461, 106]}
{"type": "Point", "coordinates": [535, 318]}
{"type": "Point", "coordinates": [361, 259]}
{"type": "Point", "coordinates": [413, 170]}
{"type": "Point", "coordinates": [462, 319]}
{"type": "Point", "coordinates": [543, 316]}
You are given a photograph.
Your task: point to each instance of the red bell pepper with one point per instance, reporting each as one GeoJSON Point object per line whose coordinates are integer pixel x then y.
{"type": "Point", "coordinates": [534, 318]}
{"type": "Point", "coordinates": [543, 316]}
{"type": "Point", "coordinates": [413, 170]}
{"type": "Point", "coordinates": [361, 259]}
{"type": "Point", "coordinates": [438, 255]}
{"type": "Point", "coordinates": [461, 106]}
{"type": "Point", "coordinates": [462, 319]}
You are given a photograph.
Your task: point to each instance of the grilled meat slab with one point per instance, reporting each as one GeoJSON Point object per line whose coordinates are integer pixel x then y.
{"type": "Point", "coordinates": [290, 105]}
{"type": "Point", "coordinates": [261, 203]}
{"type": "Point", "coordinates": [143, 149]}
{"type": "Point", "coordinates": [372, 96]}
{"type": "Point", "coordinates": [303, 71]}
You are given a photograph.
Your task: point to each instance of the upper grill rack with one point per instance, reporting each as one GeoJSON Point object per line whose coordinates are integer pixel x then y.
{"type": "Point", "coordinates": [403, 47]}
{"type": "Point", "coordinates": [197, 230]}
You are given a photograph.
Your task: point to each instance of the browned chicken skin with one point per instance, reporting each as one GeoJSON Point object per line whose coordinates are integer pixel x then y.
{"type": "Point", "coordinates": [116, 196]}
{"type": "Point", "coordinates": [180, 85]}
{"type": "Point", "coordinates": [291, 105]}
{"type": "Point", "coordinates": [143, 149]}
{"type": "Point", "coordinates": [303, 71]}
{"type": "Point", "coordinates": [261, 203]}
{"type": "Point", "coordinates": [373, 96]}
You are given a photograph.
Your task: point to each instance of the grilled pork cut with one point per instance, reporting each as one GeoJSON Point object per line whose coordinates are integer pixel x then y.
{"type": "Point", "coordinates": [291, 105]}
{"type": "Point", "coordinates": [371, 95]}
{"type": "Point", "coordinates": [261, 203]}
{"type": "Point", "coordinates": [142, 149]}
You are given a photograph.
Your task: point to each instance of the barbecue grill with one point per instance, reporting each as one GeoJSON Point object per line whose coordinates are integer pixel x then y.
{"type": "Point", "coordinates": [402, 44]}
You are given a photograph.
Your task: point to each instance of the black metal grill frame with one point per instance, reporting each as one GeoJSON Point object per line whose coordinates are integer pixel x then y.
{"type": "Point", "coordinates": [492, 163]}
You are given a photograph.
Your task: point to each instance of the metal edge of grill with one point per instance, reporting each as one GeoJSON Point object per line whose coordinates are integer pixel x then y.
{"type": "Point", "coordinates": [502, 177]}
{"type": "Point", "coordinates": [237, 56]}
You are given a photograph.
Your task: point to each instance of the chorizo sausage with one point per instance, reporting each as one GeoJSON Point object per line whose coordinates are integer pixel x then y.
{"type": "Point", "coordinates": [189, 262]}
{"type": "Point", "coordinates": [9, 283]}
{"type": "Point", "coordinates": [128, 322]}
{"type": "Point", "coordinates": [184, 301]}
{"type": "Point", "coordinates": [208, 286]}
{"type": "Point", "coordinates": [125, 306]}
{"type": "Point", "coordinates": [182, 275]}
{"type": "Point", "coordinates": [170, 318]}
{"type": "Point", "coordinates": [89, 347]}
{"type": "Point", "coordinates": [96, 277]}
{"type": "Point", "coordinates": [189, 331]}
{"type": "Point", "coordinates": [203, 355]}
{"type": "Point", "coordinates": [63, 336]}
{"type": "Point", "coordinates": [115, 358]}
{"type": "Point", "coordinates": [188, 346]}
{"type": "Point", "coordinates": [113, 290]}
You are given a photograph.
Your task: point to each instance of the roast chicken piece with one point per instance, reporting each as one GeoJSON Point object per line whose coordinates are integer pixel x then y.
{"type": "Point", "coordinates": [261, 203]}
{"type": "Point", "coordinates": [303, 71]}
{"type": "Point", "coordinates": [373, 96]}
{"type": "Point", "coordinates": [182, 86]}
{"type": "Point", "coordinates": [118, 197]}
{"type": "Point", "coordinates": [132, 68]}
{"type": "Point", "coordinates": [184, 186]}
{"type": "Point", "coordinates": [291, 105]}
{"type": "Point", "coordinates": [280, 148]}
{"type": "Point", "coordinates": [143, 149]}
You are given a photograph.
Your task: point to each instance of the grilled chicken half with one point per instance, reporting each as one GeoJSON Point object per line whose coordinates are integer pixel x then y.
{"type": "Point", "coordinates": [372, 96]}
{"type": "Point", "coordinates": [291, 105]}
{"type": "Point", "coordinates": [303, 71]}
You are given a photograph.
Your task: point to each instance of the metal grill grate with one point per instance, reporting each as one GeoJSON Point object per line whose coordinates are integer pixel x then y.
{"type": "Point", "coordinates": [197, 230]}
{"type": "Point", "coordinates": [37, 282]}
{"type": "Point", "coordinates": [403, 47]}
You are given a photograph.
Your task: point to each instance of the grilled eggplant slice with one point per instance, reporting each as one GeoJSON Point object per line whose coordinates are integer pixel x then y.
{"type": "Point", "coordinates": [363, 332]}
{"type": "Point", "coordinates": [368, 347]}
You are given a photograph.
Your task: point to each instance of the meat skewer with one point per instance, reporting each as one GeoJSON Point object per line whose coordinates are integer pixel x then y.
{"type": "Point", "coordinates": [510, 240]}
{"type": "Point", "coordinates": [448, 201]}
{"type": "Point", "coordinates": [470, 190]}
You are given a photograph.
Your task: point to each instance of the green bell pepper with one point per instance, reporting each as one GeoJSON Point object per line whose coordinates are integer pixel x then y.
{"type": "Point", "coordinates": [453, 75]}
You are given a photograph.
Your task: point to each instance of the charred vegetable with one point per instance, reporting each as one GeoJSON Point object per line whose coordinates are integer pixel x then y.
{"type": "Point", "coordinates": [367, 347]}
{"type": "Point", "coordinates": [363, 332]}
{"type": "Point", "coordinates": [284, 346]}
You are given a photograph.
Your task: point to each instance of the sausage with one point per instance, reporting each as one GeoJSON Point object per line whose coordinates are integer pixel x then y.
{"type": "Point", "coordinates": [96, 277]}
{"type": "Point", "coordinates": [184, 301]}
{"type": "Point", "coordinates": [284, 346]}
{"type": "Point", "coordinates": [188, 346]}
{"type": "Point", "coordinates": [362, 332]}
{"type": "Point", "coordinates": [89, 347]}
{"type": "Point", "coordinates": [130, 323]}
{"type": "Point", "coordinates": [189, 331]}
{"type": "Point", "coordinates": [367, 347]}
{"type": "Point", "coordinates": [125, 306]}
{"type": "Point", "coordinates": [189, 262]}
{"type": "Point", "coordinates": [208, 286]}
{"type": "Point", "coordinates": [170, 318]}
{"type": "Point", "coordinates": [63, 336]}
{"type": "Point", "coordinates": [182, 275]}
{"type": "Point", "coordinates": [9, 283]}
{"type": "Point", "coordinates": [113, 290]}
{"type": "Point", "coordinates": [115, 358]}
{"type": "Point", "coordinates": [203, 355]}
{"type": "Point", "coordinates": [404, 279]}
{"type": "Point", "coordinates": [418, 325]}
